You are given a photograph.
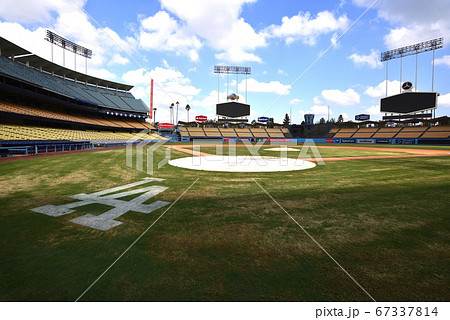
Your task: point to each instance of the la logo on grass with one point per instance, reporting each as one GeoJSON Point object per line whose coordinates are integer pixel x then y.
{"type": "Point", "coordinates": [110, 197]}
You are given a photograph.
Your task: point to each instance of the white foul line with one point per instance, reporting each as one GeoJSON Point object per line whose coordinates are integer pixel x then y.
{"type": "Point", "coordinates": [134, 242]}
{"type": "Point", "coordinates": [314, 240]}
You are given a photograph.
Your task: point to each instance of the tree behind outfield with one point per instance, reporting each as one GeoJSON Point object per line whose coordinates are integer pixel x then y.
{"type": "Point", "coordinates": [286, 120]}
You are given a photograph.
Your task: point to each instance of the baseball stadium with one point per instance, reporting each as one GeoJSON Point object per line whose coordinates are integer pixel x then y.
{"type": "Point", "coordinates": [99, 202]}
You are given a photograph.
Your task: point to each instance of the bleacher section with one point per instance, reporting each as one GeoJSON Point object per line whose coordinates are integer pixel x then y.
{"type": "Point", "coordinates": [242, 133]}
{"type": "Point", "coordinates": [386, 133]}
{"type": "Point", "coordinates": [37, 112]}
{"type": "Point", "coordinates": [286, 132]}
{"type": "Point", "coordinates": [114, 99]}
{"type": "Point", "coordinates": [441, 132]}
{"type": "Point", "coordinates": [184, 133]}
{"type": "Point", "coordinates": [16, 132]}
{"type": "Point", "coordinates": [411, 132]}
{"type": "Point", "coordinates": [228, 132]}
{"type": "Point", "coordinates": [259, 133]}
{"type": "Point", "coordinates": [196, 132]}
{"type": "Point", "coordinates": [275, 133]}
{"type": "Point", "coordinates": [365, 133]}
{"type": "Point", "coordinates": [212, 133]}
{"type": "Point", "coordinates": [345, 133]}
{"type": "Point", "coordinates": [42, 101]}
{"type": "Point", "coordinates": [414, 132]}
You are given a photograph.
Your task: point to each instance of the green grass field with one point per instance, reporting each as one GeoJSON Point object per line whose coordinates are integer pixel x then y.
{"type": "Point", "coordinates": [385, 221]}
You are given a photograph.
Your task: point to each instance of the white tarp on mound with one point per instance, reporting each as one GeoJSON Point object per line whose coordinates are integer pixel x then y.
{"type": "Point", "coordinates": [282, 149]}
{"type": "Point", "coordinates": [242, 164]}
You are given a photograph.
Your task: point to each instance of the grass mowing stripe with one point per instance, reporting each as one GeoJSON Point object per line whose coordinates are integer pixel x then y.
{"type": "Point", "coordinates": [314, 240]}
{"type": "Point", "coordinates": [134, 242]}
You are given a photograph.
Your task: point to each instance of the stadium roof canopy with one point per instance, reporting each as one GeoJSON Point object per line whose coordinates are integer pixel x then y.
{"type": "Point", "coordinates": [11, 50]}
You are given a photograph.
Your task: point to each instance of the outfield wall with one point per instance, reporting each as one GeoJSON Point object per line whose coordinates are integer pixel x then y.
{"type": "Point", "coordinates": [332, 140]}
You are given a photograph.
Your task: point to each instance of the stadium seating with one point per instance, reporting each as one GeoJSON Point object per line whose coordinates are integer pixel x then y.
{"type": "Point", "coordinates": [365, 133]}
{"type": "Point", "coordinates": [184, 133]}
{"type": "Point", "coordinates": [228, 132]}
{"type": "Point", "coordinates": [440, 132]}
{"type": "Point", "coordinates": [386, 133]}
{"type": "Point", "coordinates": [82, 92]}
{"type": "Point", "coordinates": [243, 133]}
{"type": "Point", "coordinates": [411, 132]}
{"type": "Point", "coordinates": [37, 112]}
{"type": "Point", "coordinates": [345, 133]}
{"type": "Point", "coordinates": [259, 133]}
{"type": "Point", "coordinates": [212, 132]}
{"type": "Point", "coordinates": [196, 132]}
{"type": "Point", "coordinates": [286, 132]}
{"type": "Point", "coordinates": [275, 133]}
{"type": "Point", "coordinates": [334, 130]}
{"type": "Point", "coordinates": [16, 132]}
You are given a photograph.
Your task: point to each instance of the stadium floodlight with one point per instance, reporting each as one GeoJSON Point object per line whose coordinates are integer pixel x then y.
{"type": "Point", "coordinates": [417, 48]}
{"type": "Point", "coordinates": [414, 49]}
{"type": "Point", "coordinates": [232, 70]}
{"type": "Point", "coordinates": [66, 44]}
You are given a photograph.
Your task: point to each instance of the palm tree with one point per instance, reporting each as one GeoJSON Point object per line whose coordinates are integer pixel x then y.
{"type": "Point", "coordinates": [177, 113]}
{"type": "Point", "coordinates": [188, 107]}
{"type": "Point", "coordinates": [171, 112]}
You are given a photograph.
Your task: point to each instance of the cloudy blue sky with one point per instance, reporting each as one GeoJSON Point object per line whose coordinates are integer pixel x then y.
{"type": "Point", "coordinates": [178, 42]}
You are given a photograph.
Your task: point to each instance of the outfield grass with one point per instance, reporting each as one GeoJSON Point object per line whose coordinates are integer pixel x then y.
{"type": "Point", "coordinates": [385, 221]}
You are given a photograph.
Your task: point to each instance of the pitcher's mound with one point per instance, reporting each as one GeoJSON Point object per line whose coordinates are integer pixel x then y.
{"type": "Point", "coordinates": [282, 149]}
{"type": "Point", "coordinates": [241, 164]}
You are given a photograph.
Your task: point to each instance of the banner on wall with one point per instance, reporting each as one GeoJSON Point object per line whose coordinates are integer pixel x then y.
{"type": "Point", "coordinates": [366, 141]}
{"type": "Point", "coordinates": [405, 141]}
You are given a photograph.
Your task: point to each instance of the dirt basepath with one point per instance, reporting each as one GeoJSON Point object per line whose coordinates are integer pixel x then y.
{"type": "Point", "coordinates": [413, 153]}
{"type": "Point", "coordinates": [188, 149]}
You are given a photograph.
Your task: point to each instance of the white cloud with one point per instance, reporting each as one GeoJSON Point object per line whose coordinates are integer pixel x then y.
{"type": "Point", "coordinates": [373, 110]}
{"type": "Point", "coordinates": [35, 11]}
{"type": "Point", "coordinates": [170, 86]}
{"type": "Point", "coordinates": [444, 60]}
{"type": "Point", "coordinates": [219, 24]}
{"type": "Point", "coordinates": [379, 91]}
{"type": "Point", "coordinates": [444, 100]}
{"type": "Point", "coordinates": [404, 36]}
{"type": "Point", "coordinates": [372, 60]}
{"type": "Point", "coordinates": [139, 93]}
{"type": "Point", "coordinates": [209, 103]}
{"type": "Point", "coordinates": [295, 101]}
{"type": "Point", "coordinates": [334, 38]}
{"type": "Point", "coordinates": [68, 20]}
{"type": "Point", "coordinates": [303, 27]}
{"type": "Point", "coordinates": [163, 33]}
{"type": "Point", "coordinates": [103, 74]}
{"type": "Point", "coordinates": [236, 55]}
{"type": "Point", "coordinates": [254, 85]}
{"type": "Point", "coordinates": [118, 59]}
{"type": "Point", "coordinates": [318, 111]}
{"type": "Point", "coordinates": [136, 77]}
{"type": "Point", "coordinates": [282, 72]}
{"type": "Point", "coordinates": [317, 100]}
{"type": "Point", "coordinates": [415, 22]}
{"type": "Point", "coordinates": [344, 98]}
